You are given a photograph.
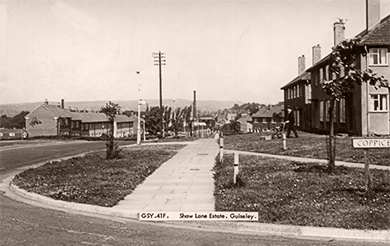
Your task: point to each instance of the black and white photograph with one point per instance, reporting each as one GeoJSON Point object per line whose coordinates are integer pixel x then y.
{"type": "Point", "coordinates": [195, 122]}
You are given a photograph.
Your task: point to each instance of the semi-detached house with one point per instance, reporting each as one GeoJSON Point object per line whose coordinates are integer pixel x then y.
{"type": "Point", "coordinates": [367, 110]}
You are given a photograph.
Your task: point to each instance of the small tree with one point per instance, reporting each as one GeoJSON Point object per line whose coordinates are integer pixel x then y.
{"type": "Point", "coordinates": [111, 110]}
{"type": "Point", "coordinates": [153, 120]}
{"type": "Point", "coordinates": [343, 63]}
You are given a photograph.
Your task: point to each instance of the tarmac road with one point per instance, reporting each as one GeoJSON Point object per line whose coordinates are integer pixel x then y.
{"type": "Point", "coordinates": [23, 224]}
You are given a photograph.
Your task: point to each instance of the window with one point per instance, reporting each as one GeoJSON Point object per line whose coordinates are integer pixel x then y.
{"type": "Point", "coordinates": [321, 110]}
{"type": "Point", "coordinates": [264, 120]}
{"type": "Point", "coordinates": [321, 74]}
{"type": "Point", "coordinates": [298, 91]}
{"type": "Point", "coordinates": [379, 103]}
{"type": "Point", "coordinates": [342, 110]}
{"type": "Point", "coordinates": [326, 72]}
{"type": "Point", "coordinates": [327, 105]}
{"type": "Point", "coordinates": [297, 117]}
{"type": "Point", "coordinates": [308, 93]}
{"type": "Point", "coordinates": [378, 56]}
{"type": "Point", "coordinates": [295, 92]}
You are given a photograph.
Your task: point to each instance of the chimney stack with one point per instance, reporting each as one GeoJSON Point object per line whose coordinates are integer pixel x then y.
{"type": "Point", "coordinates": [46, 102]}
{"type": "Point", "coordinates": [338, 31]}
{"type": "Point", "coordinates": [373, 13]}
{"type": "Point", "coordinates": [301, 64]}
{"type": "Point", "coordinates": [62, 103]}
{"type": "Point", "coordinates": [316, 53]}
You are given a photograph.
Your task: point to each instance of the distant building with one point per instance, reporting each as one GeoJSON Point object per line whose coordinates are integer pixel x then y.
{"type": "Point", "coordinates": [52, 120]}
{"type": "Point", "coordinates": [268, 118]}
{"type": "Point", "coordinates": [246, 124]}
{"type": "Point", "coordinates": [209, 120]}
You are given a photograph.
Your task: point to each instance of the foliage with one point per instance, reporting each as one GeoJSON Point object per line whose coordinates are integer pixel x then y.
{"type": "Point", "coordinates": [286, 192]}
{"type": "Point", "coordinates": [111, 110]}
{"type": "Point", "coordinates": [93, 180]}
{"type": "Point", "coordinates": [346, 73]}
{"type": "Point", "coordinates": [234, 127]}
{"type": "Point", "coordinates": [179, 119]}
{"type": "Point", "coordinates": [250, 108]}
{"type": "Point", "coordinates": [344, 64]}
{"type": "Point", "coordinates": [17, 121]}
{"type": "Point", "coordinates": [173, 119]}
{"type": "Point", "coordinates": [153, 120]}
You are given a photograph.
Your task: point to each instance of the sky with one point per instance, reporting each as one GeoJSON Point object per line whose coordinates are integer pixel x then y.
{"type": "Point", "coordinates": [88, 50]}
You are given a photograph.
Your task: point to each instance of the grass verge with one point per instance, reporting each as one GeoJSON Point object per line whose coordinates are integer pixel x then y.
{"type": "Point", "coordinates": [93, 180]}
{"type": "Point", "coordinates": [307, 145]}
{"type": "Point", "coordinates": [285, 192]}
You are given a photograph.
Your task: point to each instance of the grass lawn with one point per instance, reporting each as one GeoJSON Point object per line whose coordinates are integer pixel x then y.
{"type": "Point", "coordinates": [285, 192]}
{"type": "Point", "coordinates": [307, 145]}
{"type": "Point", "coordinates": [92, 179]}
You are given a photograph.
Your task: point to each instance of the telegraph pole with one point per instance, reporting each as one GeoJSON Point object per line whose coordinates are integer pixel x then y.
{"type": "Point", "coordinates": [139, 112]}
{"type": "Point", "coordinates": [159, 61]}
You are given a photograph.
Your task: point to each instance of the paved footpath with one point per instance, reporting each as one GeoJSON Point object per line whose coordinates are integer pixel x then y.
{"type": "Point", "coordinates": [183, 183]}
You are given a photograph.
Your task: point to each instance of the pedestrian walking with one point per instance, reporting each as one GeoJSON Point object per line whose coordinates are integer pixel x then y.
{"type": "Point", "coordinates": [290, 121]}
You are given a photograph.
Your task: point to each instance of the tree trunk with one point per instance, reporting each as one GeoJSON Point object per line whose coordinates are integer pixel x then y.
{"type": "Point", "coordinates": [332, 139]}
{"type": "Point", "coordinates": [368, 185]}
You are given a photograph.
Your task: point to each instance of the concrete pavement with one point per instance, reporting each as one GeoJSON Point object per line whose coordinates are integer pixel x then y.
{"type": "Point", "coordinates": [183, 183]}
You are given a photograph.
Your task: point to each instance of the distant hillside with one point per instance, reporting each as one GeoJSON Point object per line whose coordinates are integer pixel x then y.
{"type": "Point", "coordinates": [206, 105]}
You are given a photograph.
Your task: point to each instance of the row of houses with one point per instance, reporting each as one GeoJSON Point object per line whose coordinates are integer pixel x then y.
{"type": "Point", "coordinates": [367, 110]}
{"type": "Point", "coordinates": [266, 118]}
{"type": "Point", "coordinates": [55, 120]}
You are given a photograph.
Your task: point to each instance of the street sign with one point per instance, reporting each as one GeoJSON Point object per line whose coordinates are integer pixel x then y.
{"type": "Point", "coordinates": [370, 143]}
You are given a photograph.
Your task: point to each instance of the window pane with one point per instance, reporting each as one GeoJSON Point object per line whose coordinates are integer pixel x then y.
{"type": "Point", "coordinates": [376, 104]}
{"type": "Point", "coordinates": [383, 102]}
{"type": "Point", "coordinates": [342, 110]}
{"type": "Point", "coordinates": [327, 72]}
{"type": "Point", "coordinates": [383, 56]}
{"type": "Point", "coordinates": [375, 59]}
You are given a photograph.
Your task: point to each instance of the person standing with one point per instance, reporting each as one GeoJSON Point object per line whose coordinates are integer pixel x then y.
{"type": "Point", "coordinates": [291, 122]}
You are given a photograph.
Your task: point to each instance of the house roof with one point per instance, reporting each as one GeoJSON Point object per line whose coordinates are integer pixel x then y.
{"type": "Point", "coordinates": [378, 35]}
{"type": "Point", "coordinates": [302, 77]}
{"type": "Point", "coordinates": [84, 117]}
{"type": "Point", "coordinates": [320, 62]}
{"type": "Point", "coordinates": [245, 118]}
{"type": "Point", "coordinates": [266, 112]}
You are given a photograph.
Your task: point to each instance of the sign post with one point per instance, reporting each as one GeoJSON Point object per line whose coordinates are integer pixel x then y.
{"type": "Point", "coordinates": [366, 144]}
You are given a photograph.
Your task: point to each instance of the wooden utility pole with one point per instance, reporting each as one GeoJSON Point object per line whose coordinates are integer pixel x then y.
{"type": "Point", "coordinates": [159, 61]}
